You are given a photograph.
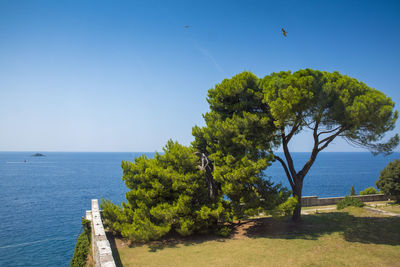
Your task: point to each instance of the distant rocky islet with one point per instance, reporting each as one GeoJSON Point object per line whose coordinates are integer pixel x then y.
{"type": "Point", "coordinates": [38, 155]}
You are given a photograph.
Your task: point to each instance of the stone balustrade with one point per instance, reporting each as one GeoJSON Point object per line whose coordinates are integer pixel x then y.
{"type": "Point", "coordinates": [315, 201]}
{"type": "Point", "coordinates": [102, 254]}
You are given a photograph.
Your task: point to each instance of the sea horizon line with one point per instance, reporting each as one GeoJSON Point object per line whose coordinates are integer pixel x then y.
{"type": "Point", "coordinates": [75, 151]}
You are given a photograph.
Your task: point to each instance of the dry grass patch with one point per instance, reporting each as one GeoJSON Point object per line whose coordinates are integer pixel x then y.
{"type": "Point", "coordinates": [352, 237]}
{"type": "Point", "coordinates": [395, 208]}
{"type": "Point", "coordinates": [318, 207]}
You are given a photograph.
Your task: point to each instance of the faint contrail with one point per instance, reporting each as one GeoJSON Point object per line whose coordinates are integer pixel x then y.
{"type": "Point", "coordinates": [206, 53]}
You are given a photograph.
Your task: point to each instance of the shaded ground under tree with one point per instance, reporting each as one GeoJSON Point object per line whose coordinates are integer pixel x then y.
{"type": "Point", "coordinates": [354, 224]}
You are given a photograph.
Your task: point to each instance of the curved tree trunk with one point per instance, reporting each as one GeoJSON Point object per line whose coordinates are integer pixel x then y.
{"type": "Point", "coordinates": [296, 217]}
{"type": "Point", "coordinates": [207, 166]}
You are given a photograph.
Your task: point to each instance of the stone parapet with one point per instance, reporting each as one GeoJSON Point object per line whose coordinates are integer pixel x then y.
{"type": "Point", "coordinates": [315, 201]}
{"type": "Point", "coordinates": [101, 248]}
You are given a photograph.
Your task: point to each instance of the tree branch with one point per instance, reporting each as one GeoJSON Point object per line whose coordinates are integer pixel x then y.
{"type": "Point", "coordinates": [315, 133]}
{"type": "Point", "coordinates": [329, 137]}
{"type": "Point", "coordinates": [330, 131]}
{"type": "Point", "coordinates": [314, 152]}
{"type": "Point", "coordinates": [288, 157]}
{"type": "Point", "coordinates": [286, 171]}
{"type": "Point", "coordinates": [328, 140]}
{"type": "Point", "coordinates": [295, 127]}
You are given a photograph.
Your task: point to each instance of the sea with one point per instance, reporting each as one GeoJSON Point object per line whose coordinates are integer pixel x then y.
{"type": "Point", "coordinates": [42, 199]}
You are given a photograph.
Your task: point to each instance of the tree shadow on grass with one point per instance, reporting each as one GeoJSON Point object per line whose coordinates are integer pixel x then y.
{"type": "Point", "coordinates": [114, 249]}
{"type": "Point", "coordinates": [174, 241]}
{"type": "Point", "coordinates": [367, 230]}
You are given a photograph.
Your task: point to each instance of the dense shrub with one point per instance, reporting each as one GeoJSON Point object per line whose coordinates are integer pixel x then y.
{"type": "Point", "coordinates": [224, 231]}
{"type": "Point", "coordinates": [170, 193]}
{"type": "Point", "coordinates": [369, 191]}
{"type": "Point", "coordinates": [349, 201]}
{"type": "Point", "coordinates": [389, 180]}
{"type": "Point", "coordinates": [286, 208]}
{"type": "Point", "coordinates": [167, 193]}
{"type": "Point", "coordinates": [239, 162]}
{"type": "Point", "coordinates": [82, 247]}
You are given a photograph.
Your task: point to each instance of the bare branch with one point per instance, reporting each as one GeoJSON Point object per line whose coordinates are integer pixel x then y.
{"type": "Point", "coordinates": [288, 157]}
{"type": "Point", "coordinates": [314, 152]}
{"type": "Point", "coordinates": [308, 124]}
{"type": "Point", "coordinates": [286, 171]}
{"type": "Point", "coordinates": [315, 135]}
{"type": "Point", "coordinates": [329, 140]}
{"type": "Point", "coordinates": [283, 135]}
{"type": "Point", "coordinates": [329, 137]}
{"type": "Point", "coordinates": [330, 131]}
{"type": "Point", "coordinates": [295, 127]}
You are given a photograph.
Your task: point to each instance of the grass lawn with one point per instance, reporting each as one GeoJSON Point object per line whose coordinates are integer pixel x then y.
{"type": "Point", "coordinates": [318, 207]}
{"type": "Point", "coordinates": [391, 208]}
{"type": "Point", "coordinates": [351, 237]}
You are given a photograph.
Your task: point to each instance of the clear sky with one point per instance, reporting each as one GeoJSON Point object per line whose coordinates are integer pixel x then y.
{"type": "Point", "coordinates": [127, 75]}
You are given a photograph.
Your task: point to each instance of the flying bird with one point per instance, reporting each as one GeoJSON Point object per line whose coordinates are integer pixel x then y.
{"type": "Point", "coordinates": [284, 32]}
{"type": "Point", "coordinates": [186, 26]}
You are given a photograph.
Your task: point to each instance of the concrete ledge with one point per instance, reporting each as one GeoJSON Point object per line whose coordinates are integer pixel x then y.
{"type": "Point", "coordinates": [101, 248]}
{"type": "Point", "coordinates": [315, 201]}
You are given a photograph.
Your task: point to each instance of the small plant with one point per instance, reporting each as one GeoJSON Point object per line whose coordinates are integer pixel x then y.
{"type": "Point", "coordinates": [349, 201]}
{"type": "Point", "coordinates": [286, 208]}
{"type": "Point", "coordinates": [369, 191]}
{"type": "Point", "coordinates": [224, 231]}
{"type": "Point", "coordinates": [86, 226]}
{"type": "Point", "coordinates": [352, 191]}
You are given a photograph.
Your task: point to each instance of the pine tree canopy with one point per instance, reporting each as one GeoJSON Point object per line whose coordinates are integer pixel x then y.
{"type": "Point", "coordinates": [250, 118]}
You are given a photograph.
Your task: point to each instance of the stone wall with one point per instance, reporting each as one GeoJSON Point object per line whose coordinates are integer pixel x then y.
{"type": "Point", "coordinates": [102, 254]}
{"type": "Point", "coordinates": [315, 201]}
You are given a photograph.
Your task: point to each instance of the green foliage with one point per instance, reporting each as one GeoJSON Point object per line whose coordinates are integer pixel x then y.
{"type": "Point", "coordinates": [369, 191]}
{"type": "Point", "coordinates": [224, 231]}
{"type": "Point", "coordinates": [389, 180]}
{"type": "Point", "coordinates": [167, 193]}
{"type": "Point", "coordinates": [349, 201]}
{"type": "Point", "coordinates": [247, 114]}
{"type": "Point", "coordinates": [286, 208]}
{"type": "Point", "coordinates": [250, 117]}
{"type": "Point", "coordinates": [236, 136]}
{"type": "Point", "coordinates": [82, 247]}
{"type": "Point", "coordinates": [352, 191]}
{"type": "Point", "coordinates": [86, 225]}
{"type": "Point", "coordinates": [361, 114]}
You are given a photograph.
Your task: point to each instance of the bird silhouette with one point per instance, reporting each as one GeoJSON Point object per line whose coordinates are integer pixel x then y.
{"type": "Point", "coordinates": [186, 26]}
{"type": "Point", "coordinates": [284, 32]}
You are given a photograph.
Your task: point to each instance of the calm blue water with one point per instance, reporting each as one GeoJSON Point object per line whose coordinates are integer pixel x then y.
{"type": "Point", "coordinates": [42, 201]}
{"type": "Point", "coordinates": [334, 173]}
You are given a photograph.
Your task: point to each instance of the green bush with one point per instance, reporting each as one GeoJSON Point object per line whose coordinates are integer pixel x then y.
{"type": "Point", "coordinates": [389, 180]}
{"type": "Point", "coordinates": [168, 193]}
{"type": "Point", "coordinates": [349, 201]}
{"type": "Point", "coordinates": [369, 191]}
{"type": "Point", "coordinates": [82, 247]}
{"type": "Point", "coordinates": [171, 193]}
{"type": "Point", "coordinates": [224, 231]}
{"type": "Point", "coordinates": [286, 208]}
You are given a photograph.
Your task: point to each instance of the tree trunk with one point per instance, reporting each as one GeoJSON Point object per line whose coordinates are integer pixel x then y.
{"type": "Point", "coordinates": [296, 217]}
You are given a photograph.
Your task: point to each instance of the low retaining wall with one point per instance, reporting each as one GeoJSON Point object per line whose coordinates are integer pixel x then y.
{"type": "Point", "coordinates": [101, 248]}
{"type": "Point", "coordinates": [315, 201]}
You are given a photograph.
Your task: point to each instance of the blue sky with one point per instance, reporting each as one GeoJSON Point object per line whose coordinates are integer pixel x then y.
{"type": "Point", "coordinates": [127, 75]}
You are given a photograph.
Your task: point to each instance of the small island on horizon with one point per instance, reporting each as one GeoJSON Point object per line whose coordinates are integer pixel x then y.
{"type": "Point", "coordinates": [38, 155]}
